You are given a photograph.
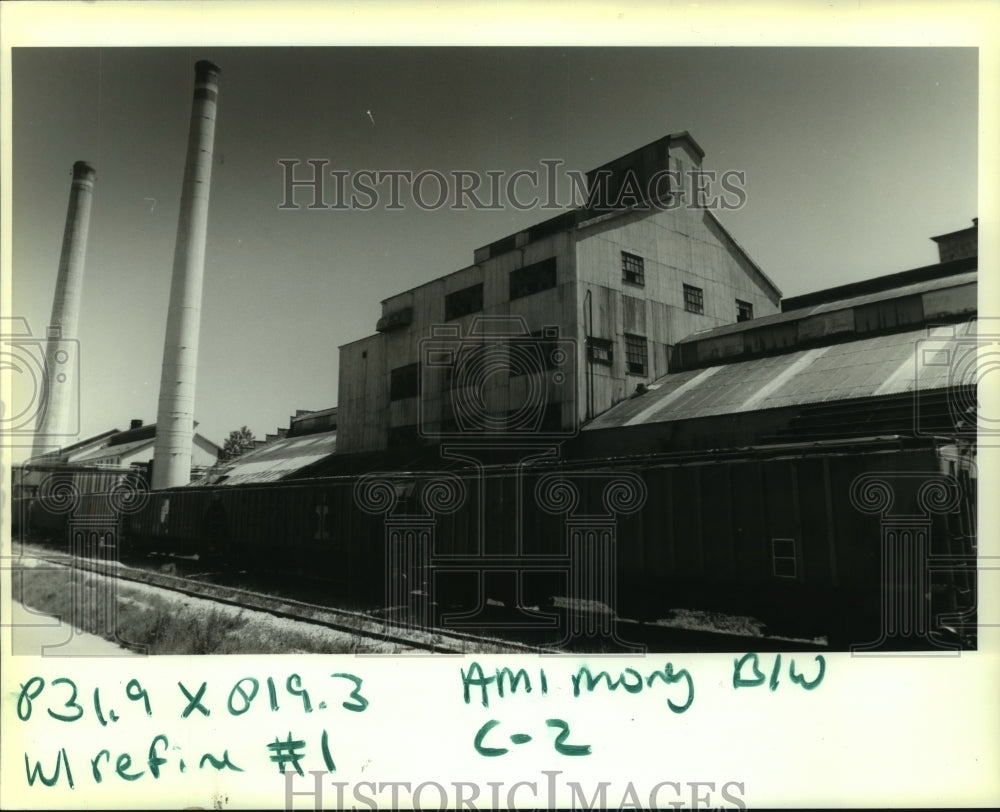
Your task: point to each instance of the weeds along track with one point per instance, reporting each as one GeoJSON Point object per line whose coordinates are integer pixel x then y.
{"type": "Point", "coordinates": [370, 626]}
{"type": "Point", "coordinates": [344, 621]}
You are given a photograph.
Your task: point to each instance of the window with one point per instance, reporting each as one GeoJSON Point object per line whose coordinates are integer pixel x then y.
{"type": "Point", "coordinates": [635, 354]}
{"type": "Point", "coordinates": [632, 269]}
{"type": "Point", "coordinates": [744, 310]}
{"type": "Point", "coordinates": [783, 557]}
{"type": "Point", "coordinates": [404, 382]}
{"type": "Point", "coordinates": [462, 302]}
{"type": "Point", "coordinates": [533, 278]}
{"type": "Point", "coordinates": [600, 351]}
{"type": "Point", "coordinates": [888, 315]}
{"type": "Point", "coordinates": [694, 299]}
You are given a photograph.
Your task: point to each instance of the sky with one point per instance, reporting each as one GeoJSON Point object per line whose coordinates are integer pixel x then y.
{"type": "Point", "coordinates": [853, 159]}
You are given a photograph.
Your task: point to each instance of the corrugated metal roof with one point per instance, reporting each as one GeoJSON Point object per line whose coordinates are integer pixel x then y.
{"type": "Point", "coordinates": [83, 443]}
{"type": "Point", "coordinates": [828, 307]}
{"type": "Point", "coordinates": [278, 459]}
{"type": "Point", "coordinates": [120, 450]}
{"type": "Point", "coordinates": [882, 365]}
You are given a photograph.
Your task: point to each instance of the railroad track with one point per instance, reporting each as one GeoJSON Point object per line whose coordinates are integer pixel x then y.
{"type": "Point", "coordinates": [436, 641]}
{"type": "Point", "coordinates": [369, 625]}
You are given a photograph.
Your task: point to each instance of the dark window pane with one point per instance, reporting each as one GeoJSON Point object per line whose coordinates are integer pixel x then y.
{"type": "Point", "coordinates": [462, 302]}
{"type": "Point", "coordinates": [404, 382]}
{"type": "Point", "coordinates": [633, 269]}
{"type": "Point", "coordinates": [635, 354]}
{"type": "Point", "coordinates": [694, 299]}
{"type": "Point", "coordinates": [533, 278]}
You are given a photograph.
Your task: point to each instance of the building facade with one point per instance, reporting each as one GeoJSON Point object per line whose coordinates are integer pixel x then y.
{"type": "Point", "coordinates": [121, 449]}
{"type": "Point", "coordinates": [553, 325]}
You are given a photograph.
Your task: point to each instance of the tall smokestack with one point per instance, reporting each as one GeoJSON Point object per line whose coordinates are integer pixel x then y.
{"type": "Point", "coordinates": [56, 415]}
{"type": "Point", "coordinates": [175, 414]}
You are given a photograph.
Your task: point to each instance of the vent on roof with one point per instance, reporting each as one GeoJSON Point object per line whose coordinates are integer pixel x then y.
{"type": "Point", "coordinates": [959, 244]}
{"type": "Point", "coordinates": [395, 320]}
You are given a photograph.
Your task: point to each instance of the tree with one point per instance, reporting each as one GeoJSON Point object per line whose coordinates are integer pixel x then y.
{"type": "Point", "coordinates": [238, 443]}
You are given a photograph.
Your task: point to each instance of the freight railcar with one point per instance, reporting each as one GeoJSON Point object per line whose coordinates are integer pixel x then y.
{"type": "Point", "coordinates": [47, 500]}
{"type": "Point", "coordinates": [310, 528]}
{"type": "Point", "coordinates": [814, 538]}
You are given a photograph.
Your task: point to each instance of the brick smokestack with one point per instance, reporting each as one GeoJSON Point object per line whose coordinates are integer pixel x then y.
{"type": "Point", "coordinates": [175, 413]}
{"type": "Point", "coordinates": [60, 400]}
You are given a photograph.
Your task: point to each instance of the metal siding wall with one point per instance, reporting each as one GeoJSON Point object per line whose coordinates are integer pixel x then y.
{"type": "Point", "coordinates": [686, 522]}
{"type": "Point", "coordinates": [658, 529]}
{"type": "Point", "coordinates": [634, 320]}
{"type": "Point", "coordinates": [716, 520]}
{"type": "Point", "coordinates": [815, 521]}
{"type": "Point", "coordinates": [677, 247]}
{"type": "Point", "coordinates": [778, 498]}
{"type": "Point", "coordinates": [631, 551]}
{"type": "Point", "coordinates": [749, 530]}
{"type": "Point", "coordinates": [363, 392]}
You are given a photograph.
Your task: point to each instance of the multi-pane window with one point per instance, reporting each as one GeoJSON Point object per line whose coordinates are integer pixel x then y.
{"type": "Point", "coordinates": [462, 302]}
{"type": "Point", "coordinates": [404, 382]}
{"type": "Point", "coordinates": [694, 299]}
{"type": "Point", "coordinates": [744, 310]}
{"type": "Point", "coordinates": [632, 269]}
{"type": "Point", "coordinates": [888, 315]}
{"type": "Point", "coordinates": [600, 350]}
{"type": "Point", "coordinates": [533, 278]}
{"type": "Point", "coordinates": [635, 354]}
{"type": "Point", "coordinates": [783, 557]}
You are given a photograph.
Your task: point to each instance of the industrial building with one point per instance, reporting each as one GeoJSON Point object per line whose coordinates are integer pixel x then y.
{"type": "Point", "coordinates": [126, 448]}
{"type": "Point", "coordinates": [311, 436]}
{"type": "Point", "coordinates": [96, 462]}
{"type": "Point", "coordinates": [813, 468]}
{"type": "Point", "coordinates": [556, 323]}
{"type": "Point", "coordinates": [840, 363]}
{"type": "Point", "coordinates": [878, 357]}
{"type": "Point", "coordinates": [641, 344]}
